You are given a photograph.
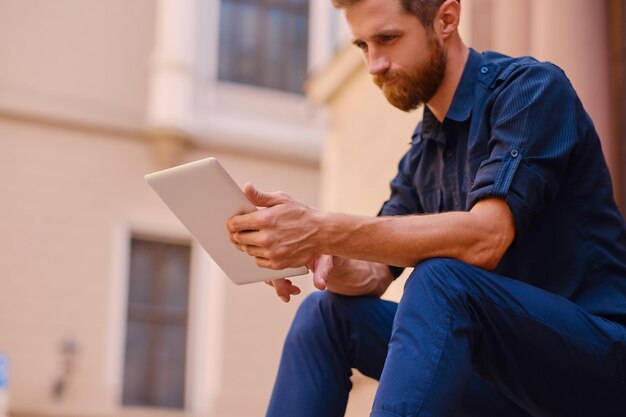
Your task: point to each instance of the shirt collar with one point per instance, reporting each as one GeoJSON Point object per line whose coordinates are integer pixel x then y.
{"type": "Point", "coordinates": [462, 102]}
{"type": "Point", "coordinates": [461, 105]}
{"type": "Point", "coordinates": [429, 127]}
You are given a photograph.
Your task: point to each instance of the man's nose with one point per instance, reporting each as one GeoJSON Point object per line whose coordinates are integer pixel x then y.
{"type": "Point", "coordinates": [378, 64]}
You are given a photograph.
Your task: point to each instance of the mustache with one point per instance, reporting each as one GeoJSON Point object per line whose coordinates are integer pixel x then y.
{"type": "Point", "coordinates": [387, 76]}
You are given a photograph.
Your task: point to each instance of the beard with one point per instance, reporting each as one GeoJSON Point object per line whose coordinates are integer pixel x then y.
{"type": "Point", "coordinates": [409, 90]}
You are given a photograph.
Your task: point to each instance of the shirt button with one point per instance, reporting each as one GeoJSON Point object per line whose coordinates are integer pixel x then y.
{"type": "Point", "coordinates": [448, 154]}
{"type": "Point", "coordinates": [484, 70]}
{"type": "Point", "coordinates": [514, 153]}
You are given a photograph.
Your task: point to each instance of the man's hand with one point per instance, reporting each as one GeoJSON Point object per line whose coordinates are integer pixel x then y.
{"type": "Point", "coordinates": [284, 288]}
{"type": "Point", "coordinates": [321, 267]}
{"type": "Point", "coordinates": [341, 276]}
{"type": "Point", "coordinates": [349, 276]}
{"type": "Point", "coordinates": [281, 235]}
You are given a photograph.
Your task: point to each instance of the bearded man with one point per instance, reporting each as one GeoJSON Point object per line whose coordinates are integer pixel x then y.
{"type": "Point", "coordinates": [516, 305]}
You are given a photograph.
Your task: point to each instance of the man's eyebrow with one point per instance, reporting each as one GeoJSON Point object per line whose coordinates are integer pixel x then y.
{"type": "Point", "coordinates": [387, 32]}
{"type": "Point", "coordinates": [378, 35]}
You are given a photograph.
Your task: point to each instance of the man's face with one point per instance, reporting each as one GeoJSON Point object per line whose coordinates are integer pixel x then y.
{"type": "Point", "coordinates": [405, 59]}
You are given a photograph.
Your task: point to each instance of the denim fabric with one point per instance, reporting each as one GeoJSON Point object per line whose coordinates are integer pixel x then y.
{"type": "Point", "coordinates": [462, 342]}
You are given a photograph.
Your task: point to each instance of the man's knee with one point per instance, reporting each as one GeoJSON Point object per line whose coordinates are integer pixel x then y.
{"type": "Point", "coordinates": [320, 312]}
{"type": "Point", "coordinates": [450, 277]}
{"type": "Point", "coordinates": [437, 271]}
{"type": "Point", "coordinates": [328, 305]}
{"type": "Point", "coordinates": [319, 302]}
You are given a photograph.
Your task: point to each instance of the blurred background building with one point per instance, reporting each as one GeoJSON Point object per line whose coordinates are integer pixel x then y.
{"type": "Point", "coordinates": [107, 307]}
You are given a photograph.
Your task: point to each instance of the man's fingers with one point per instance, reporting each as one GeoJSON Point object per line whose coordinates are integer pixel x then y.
{"type": "Point", "coordinates": [262, 199]}
{"type": "Point", "coordinates": [242, 222]}
{"type": "Point", "coordinates": [252, 238]}
{"type": "Point", "coordinates": [235, 240]}
{"type": "Point", "coordinates": [322, 268]}
{"type": "Point", "coordinates": [320, 277]}
{"type": "Point", "coordinates": [319, 282]}
{"type": "Point", "coordinates": [231, 237]}
{"type": "Point", "coordinates": [255, 251]}
{"type": "Point", "coordinates": [285, 289]}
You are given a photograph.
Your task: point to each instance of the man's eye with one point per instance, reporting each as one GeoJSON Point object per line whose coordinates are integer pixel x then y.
{"type": "Point", "coordinates": [387, 38]}
{"type": "Point", "coordinates": [361, 45]}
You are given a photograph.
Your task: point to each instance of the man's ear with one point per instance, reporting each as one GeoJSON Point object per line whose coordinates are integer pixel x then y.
{"type": "Point", "coordinates": [447, 19]}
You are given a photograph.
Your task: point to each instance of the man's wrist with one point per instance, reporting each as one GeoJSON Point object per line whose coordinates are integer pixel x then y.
{"type": "Point", "coordinates": [323, 237]}
{"type": "Point", "coordinates": [336, 231]}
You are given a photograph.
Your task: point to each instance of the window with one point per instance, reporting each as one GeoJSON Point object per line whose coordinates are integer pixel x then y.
{"type": "Point", "coordinates": [264, 43]}
{"type": "Point", "coordinates": [156, 334]}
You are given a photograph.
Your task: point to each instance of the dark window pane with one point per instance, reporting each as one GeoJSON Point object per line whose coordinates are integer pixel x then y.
{"type": "Point", "coordinates": [136, 364]}
{"type": "Point", "coordinates": [170, 382]}
{"type": "Point", "coordinates": [141, 271]}
{"type": "Point", "coordinates": [264, 43]}
{"type": "Point", "coordinates": [176, 290]}
{"type": "Point", "coordinates": [156, 334]}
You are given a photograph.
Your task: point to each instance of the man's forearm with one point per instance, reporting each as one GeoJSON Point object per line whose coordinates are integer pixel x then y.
{"type": "Point", "coordinates": [479, 237]}
{"type": "Point", "coordinates": [289, 233]}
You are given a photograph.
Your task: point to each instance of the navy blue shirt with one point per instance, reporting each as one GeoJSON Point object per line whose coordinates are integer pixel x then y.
{"type": "Point", "coordinates": [517, 130]}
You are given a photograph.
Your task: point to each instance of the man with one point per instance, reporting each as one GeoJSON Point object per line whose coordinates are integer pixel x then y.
{"type": "Point", "coordinates": [517, 302]}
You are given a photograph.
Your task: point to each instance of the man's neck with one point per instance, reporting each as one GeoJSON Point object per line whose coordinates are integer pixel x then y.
{"type": "Point", "coordinates": [457, 54]}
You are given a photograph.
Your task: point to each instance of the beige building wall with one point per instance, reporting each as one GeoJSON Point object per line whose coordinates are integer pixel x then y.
{"type": "Point", "coordinates": [366, 137]}
{"type": "Point", "coordinates": [75, 142]}
{"type": "Point", "coordinates": [70, 199]}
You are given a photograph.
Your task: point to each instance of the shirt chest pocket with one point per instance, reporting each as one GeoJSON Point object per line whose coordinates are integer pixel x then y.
{"type": "Point", "coordinates": [428, 182]}
{"type": "Point", "coordinates": [431, 200]}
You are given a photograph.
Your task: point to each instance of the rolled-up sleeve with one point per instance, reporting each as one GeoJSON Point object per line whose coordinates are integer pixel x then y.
{"type": "Point", "coordinates": [533, 133]}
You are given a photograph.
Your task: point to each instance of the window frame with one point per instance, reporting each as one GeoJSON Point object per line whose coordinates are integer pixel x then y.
{"type": "Point", "coordinates": [323, 31]}
{"type": "Point", "coordinates": [156, 317]}
{"type": "Point", "coordinates": [206, 311]}
{"type": "Point", "coordinates": [261, 74]}
{"type": "Point", "coordinates": [277, 120]}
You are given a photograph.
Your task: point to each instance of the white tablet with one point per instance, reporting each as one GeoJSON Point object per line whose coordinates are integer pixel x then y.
{"type": "Point", "coordinates": [203, 197]}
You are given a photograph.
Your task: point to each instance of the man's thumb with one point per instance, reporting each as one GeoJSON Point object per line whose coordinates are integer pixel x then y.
{"type": "Point", "coordinates": [259, 198]}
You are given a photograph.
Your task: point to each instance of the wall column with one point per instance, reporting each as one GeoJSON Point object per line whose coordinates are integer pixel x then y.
{"type": "Point", "coordinates": [574, 35]}
{"type": "Point", "coordinates": [171, 80]}
{"type": "Point", "coordinates": [511, 27]}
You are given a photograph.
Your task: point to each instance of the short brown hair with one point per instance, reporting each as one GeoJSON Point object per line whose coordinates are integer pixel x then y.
{"type": "Point", "coordinates": [425, 10]}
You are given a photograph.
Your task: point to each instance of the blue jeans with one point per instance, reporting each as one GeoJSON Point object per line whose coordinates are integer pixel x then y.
{"type": "Point", "coordinates": [461, 342]}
